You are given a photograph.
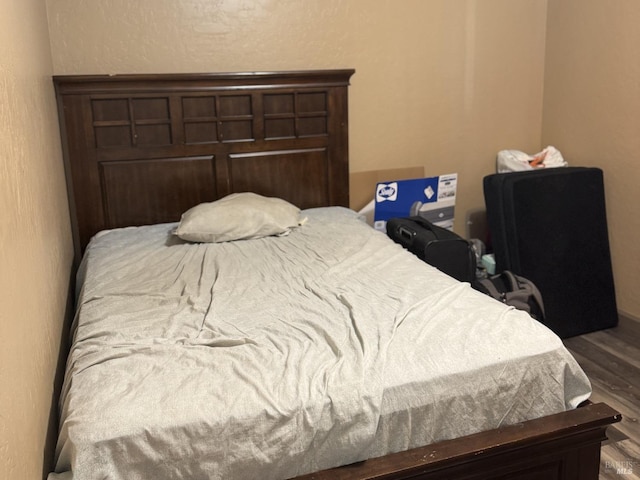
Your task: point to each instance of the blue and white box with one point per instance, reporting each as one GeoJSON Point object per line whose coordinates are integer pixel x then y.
{"type": "Point", "coordinates": [433, 198]}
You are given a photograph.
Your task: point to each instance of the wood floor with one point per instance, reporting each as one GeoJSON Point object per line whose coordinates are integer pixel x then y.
{"type": "Point", "coordinates": [611, 359]}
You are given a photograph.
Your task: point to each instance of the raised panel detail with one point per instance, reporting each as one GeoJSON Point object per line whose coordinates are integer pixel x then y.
{"type": "Point", "coordinates": [153, 135]}
{"type": "Point", "coordinates": [312, 126]}
{"type": "Point", "coordinates": [279, 128]}
{"type": "Point", "coordinates": [200, 132]}
{"type": "Point", "coordinates": [113, 136]}
{"type": "Point", "coordinates": [122, 122]}
{"type": "Point", "coordinates": [150, 109]}
{"type": "Point", "coordinates": [237, 130]}
{"type": "Point", "coordinates": [312, 109]}
{"type": "Point", "coordinates": [109, 110]}
{"type": "Point", "coordinates": [278, 103]}
{"type": "Point", "coordinates": [111, 122]}
{"type": "Point", "coordinates": [235, 105]}
{"type": "Point", "coordinates": [315, 102]}
{"type": "Point", "coordinates": [143, 192]}
{"type": "Point", "coordinates": [295, 115]}
{"type": "Point", "coordinates": [298, 176]}
{"type": "Point", "coordinates": [152, 121]}
{"type": "Point", "coordinates": [221, 118]}
{"type": "Point", "coordinates": [198, 107]}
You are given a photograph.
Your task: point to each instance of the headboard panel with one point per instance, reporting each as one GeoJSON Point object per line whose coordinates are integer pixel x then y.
{"type": "Point", "coordinates": [142, 149]}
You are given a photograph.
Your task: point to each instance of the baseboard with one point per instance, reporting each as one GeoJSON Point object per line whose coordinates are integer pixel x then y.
{"type": "Point", "coordinates": [627, 316]}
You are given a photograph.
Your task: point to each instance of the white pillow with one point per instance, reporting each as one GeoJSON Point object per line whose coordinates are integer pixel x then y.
{"type": "Point", "coordinates": [238, 216]}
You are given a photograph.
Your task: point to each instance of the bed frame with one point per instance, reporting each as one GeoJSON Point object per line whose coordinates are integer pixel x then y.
{"type": "Point", "coordinates": [142, 149]}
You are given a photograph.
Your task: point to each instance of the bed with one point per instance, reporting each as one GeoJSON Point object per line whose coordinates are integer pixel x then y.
{"type": "Point", "coordinates": [328, 352]}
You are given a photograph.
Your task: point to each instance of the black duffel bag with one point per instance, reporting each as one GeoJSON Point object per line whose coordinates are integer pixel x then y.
{"type": "Point", "coordinates": [437, 246]}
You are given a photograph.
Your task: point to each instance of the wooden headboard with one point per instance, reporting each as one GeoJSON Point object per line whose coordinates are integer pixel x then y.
{"type": "Point", "coordinates": [142, 149]}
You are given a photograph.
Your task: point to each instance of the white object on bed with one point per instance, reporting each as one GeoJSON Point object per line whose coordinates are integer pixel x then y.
{"type": "Point", "coordinates": [279, 356]}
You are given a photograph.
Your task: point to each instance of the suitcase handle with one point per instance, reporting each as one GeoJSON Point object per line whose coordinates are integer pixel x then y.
{"type": "Point", "coordinates": [406, 233]}
{"type": "Point", "coordinates": [423, 222]}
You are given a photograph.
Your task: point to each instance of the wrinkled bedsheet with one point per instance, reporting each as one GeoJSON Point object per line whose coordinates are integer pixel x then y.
{"type": "Point", "coordinates": [279, 356]}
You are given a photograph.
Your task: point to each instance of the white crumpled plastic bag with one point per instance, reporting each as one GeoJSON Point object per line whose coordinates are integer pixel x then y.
{"type": "Point", "coordinates": [516, 161]}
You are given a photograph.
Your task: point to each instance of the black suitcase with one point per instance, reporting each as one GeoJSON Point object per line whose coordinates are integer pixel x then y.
{"type": "Point", "coordinates": [550, 226]}
{"type": "Point", "coordinates": [437, 246]}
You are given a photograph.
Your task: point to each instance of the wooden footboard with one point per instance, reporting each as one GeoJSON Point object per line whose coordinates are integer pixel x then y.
{"type": "Point", "coordinates": [562, 446]}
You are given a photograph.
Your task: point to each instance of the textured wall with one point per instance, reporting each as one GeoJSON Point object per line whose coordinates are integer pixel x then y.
{"type": "Point", "coordinates": [592, 93]}
{"type": "Point", "coordinates": [442, 84]}
{"type": "Point", "coordinates": [35, 239]}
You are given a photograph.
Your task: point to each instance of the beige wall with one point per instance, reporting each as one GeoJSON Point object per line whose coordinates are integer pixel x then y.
{"type": "Point", "coordinates": [35, 239]}
{"type": "Point", "coordinates": [592, 114]}
{"type": "Point", "coordinates": [442, 84]}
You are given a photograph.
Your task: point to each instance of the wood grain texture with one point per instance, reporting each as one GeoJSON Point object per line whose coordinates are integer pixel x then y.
{"type": "Point", "coordinates": [542, 449]}
{"type": "Point", "coordinates": [142, 149]}
{"type": "Point", "coordinates": [611, 359]}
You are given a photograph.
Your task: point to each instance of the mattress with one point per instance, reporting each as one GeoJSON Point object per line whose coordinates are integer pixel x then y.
{"type": "Point", "coordinates": [274, 357]}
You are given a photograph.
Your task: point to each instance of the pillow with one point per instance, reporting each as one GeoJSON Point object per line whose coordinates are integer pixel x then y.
{"type": "Point", "coordinates": [238, 216]}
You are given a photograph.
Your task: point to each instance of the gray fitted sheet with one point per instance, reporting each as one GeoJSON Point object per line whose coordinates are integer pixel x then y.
{"type": "Point", "coordinates": [275, 357]}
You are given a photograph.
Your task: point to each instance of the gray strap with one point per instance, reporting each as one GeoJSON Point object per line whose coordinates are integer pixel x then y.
{"type": "Point", "coordinates": [491, 288]}
{"type": "Point", "coordinates": [522, 290]}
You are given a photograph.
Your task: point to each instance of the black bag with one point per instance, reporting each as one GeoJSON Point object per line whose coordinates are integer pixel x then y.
{"type": "Point", "coordinates": [437, 246]}
{"type": "Point", "coordinates": [513, 290]}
